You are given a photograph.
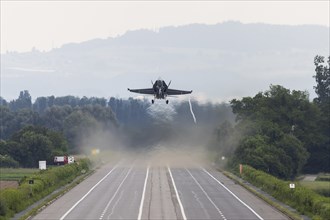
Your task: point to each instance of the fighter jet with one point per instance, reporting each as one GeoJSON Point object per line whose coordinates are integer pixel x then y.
{"type": "Point", "coordinates": [160, 90]}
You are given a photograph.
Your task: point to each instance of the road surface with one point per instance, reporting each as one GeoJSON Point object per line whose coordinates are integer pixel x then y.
{"type": "Point", "coordinates": [130, 191]}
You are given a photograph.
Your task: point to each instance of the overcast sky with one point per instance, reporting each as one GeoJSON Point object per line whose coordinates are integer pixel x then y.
{"type": "Point", "coordinates": [48, 24]}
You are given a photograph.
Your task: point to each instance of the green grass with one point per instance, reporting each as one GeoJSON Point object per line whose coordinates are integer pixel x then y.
{"type": "Point", "coordinates": [321, 187]}
{"type": "Point", "coordinates": [16, 173]}
{"type": "Point", "coordinates": [323, 177]}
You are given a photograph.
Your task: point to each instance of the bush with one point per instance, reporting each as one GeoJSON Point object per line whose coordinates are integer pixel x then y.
{"type": "Point", "coordinates": [13, 199]}
{"type": "Point", "coordinates": [3, 207]}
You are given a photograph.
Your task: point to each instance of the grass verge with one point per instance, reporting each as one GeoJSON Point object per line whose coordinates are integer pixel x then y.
{"type": "Point", "coordinates": [54, 197]}
{"type": "Point", "coordinates": [287, 212]}
{"type": "Point", "coordinates": [304, 200]}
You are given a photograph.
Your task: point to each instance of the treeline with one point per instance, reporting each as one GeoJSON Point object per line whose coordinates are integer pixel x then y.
{"type": "Point", "coordinates": [136, 123]}
{"type": "Point", "coordinates": [31, 144]}
{"type": "Point", "coordinates": [41, 104]}
{"type": "Point", "coordinates": [70, 115]}
{"type": "Point", "coordinates": [280, 131]}
{"type": "Point", "coordinates": [48, 127]}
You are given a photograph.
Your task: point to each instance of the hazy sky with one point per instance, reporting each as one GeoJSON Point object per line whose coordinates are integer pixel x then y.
{"type": "Point", "coordinates": [46, 24]}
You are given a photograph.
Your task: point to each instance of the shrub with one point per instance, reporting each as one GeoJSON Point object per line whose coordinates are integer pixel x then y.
{"type": "Point", "coordinates": [3, 207]}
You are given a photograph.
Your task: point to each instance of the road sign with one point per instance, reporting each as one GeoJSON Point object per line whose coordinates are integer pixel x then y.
{"type": "Point", "coordinates": [42, 165]}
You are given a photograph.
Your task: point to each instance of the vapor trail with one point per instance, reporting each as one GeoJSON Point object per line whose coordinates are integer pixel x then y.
{"type": "Point", "coordinates": [191, 110]}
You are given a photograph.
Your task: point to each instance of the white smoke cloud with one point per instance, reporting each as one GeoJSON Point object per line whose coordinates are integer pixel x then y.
{"type": "Point", "coordinates": [161, 112]}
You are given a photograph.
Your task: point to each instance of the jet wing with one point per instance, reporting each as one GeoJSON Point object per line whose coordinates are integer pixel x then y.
{"type": "Point", "coordinates": [143, 91]}
{"type": "Point", "coordinates": [177, 92]}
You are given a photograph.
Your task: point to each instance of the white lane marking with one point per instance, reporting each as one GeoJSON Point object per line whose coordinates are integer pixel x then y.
{"type": "Point", "coordinates": [254, 212]}
{"type": "Point", "coordinates": [82, 198]}
{"type": "Point", "coordinates": [215, 206]}
{"type": "Point", "coordinates": [114, 206]}
{"type": "Point", "coordinates": [201, 204]}
{"type": "Point", "coordinates": [143, 194]}
{"type": "Point", "coordinates": [114, 195]}
{"type": "Point", "coordinates": [177, 194]}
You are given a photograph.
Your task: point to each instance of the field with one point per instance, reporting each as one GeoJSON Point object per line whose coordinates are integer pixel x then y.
{"type": "Point", "coordinates": [10, 177]}
{"type": "Point", "coordinates": [15, 174]}
{"type": "Point", "coordinates": [321, 187]}
{"type": "Point", "coordinates": [323, 177]}
{"type": "Point", "coordinates": [4, 184]}
{"type": "Point", "coordinates": [320, 184]}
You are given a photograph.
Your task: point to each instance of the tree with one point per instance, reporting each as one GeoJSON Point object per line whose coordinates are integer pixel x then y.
{"type": "Point", "coordinates": [54, 117]}
{"type": "Point", "coordinates": [258, 152]}
{"type": "Point", "coordinates": [40, 104]}
{"type": "Point", "coordinates": [7, 161]}
{"type": "Point", "coordinates": [78, 125]}
{"type": "Point", "coordinates": [320, 147]}
{"type": "Point", "coordinates": [276, 124]}
{"type": "Point", "coordinates": [36, 146]}
{"type": "Point", "coordinates": [13, 121]}
{"type": "Point", "coordinates": [3, 102]}
{"type": "Point", "coordinates": [32, 144]}
{"type": "Point", "coordinates": [23, 101]}
{"type": "Point", "coordinates": [322, 78]}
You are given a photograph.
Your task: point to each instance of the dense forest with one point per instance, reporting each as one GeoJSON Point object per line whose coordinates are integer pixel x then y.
{"type": "Point", "coordinates": [279, 131]}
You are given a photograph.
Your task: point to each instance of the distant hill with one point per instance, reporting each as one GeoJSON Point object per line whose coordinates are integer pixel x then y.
{"type": "Point", "coordinates": [219, 61]}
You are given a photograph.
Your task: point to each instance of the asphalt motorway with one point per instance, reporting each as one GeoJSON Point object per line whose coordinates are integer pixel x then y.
{"type": "Point", "coordinates": [131, 191]}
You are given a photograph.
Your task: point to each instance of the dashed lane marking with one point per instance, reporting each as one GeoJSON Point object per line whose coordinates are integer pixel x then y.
{"type": "Point", "coordinates": [114, 195]}
{"type": "Point", "coordinates": [208, 197]}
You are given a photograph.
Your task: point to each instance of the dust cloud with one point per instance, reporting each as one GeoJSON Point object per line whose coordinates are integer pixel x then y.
{"type": "Point", "coordinates": [181, 157]}
{"type": "Point", "coordinates": [167, 139]}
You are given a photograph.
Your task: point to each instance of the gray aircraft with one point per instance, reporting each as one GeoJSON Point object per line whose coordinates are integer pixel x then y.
{"type": "Point", "coordinates": [160, 90]}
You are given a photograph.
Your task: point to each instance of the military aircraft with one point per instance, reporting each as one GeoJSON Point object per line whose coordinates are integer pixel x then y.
{"type": "Point", "coordinates": [160, 90]}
